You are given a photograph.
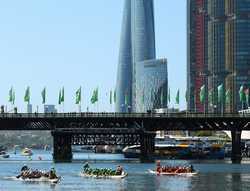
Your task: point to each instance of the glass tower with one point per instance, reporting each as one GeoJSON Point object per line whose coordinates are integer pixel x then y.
{"type": "Point", "coordinates": [137, 49]}
{"type": "Point", "coordinates": [124, 73]}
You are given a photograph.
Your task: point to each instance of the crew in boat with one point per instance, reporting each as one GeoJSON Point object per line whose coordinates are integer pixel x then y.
{"type": "Point", "coordinates": [173, 169]}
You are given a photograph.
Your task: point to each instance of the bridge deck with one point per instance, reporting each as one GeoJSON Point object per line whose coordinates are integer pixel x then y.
{"type": "Point", "coordinates": [123, 115]}
{"type": "Point", "coordinates": [145, 121]}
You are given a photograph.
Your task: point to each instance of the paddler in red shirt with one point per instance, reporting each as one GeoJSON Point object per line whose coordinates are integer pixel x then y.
{"type": "Point", "coordinates": [158, 167]}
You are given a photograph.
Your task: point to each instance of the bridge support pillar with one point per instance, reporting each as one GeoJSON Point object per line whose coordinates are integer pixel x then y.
{"type": "Point", "coordinates": [62, 147]}
{"type": "Point", "coordinates": [147, 146]}
{"type": "Point", "coordinates": [236, 146]}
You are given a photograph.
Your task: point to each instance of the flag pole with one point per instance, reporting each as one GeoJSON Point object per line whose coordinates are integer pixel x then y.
{"type": "Point", "coordinates": [79, 107]}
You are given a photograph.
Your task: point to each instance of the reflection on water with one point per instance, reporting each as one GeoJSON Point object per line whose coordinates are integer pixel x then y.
{"type": "Point", "coordinates": [213, 176]}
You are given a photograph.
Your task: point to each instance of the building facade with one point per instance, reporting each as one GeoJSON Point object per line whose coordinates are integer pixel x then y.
{"type": "Point", "coordinates": [151, 85]}
{"type": "Point", "coordinates": [197, 53]}
{"type": "Point", "coordinates": [124, 72]}
{"type": "Point", "coordinates": [218, 36]}
{"type": "Point", "coordinates": [137, 52]}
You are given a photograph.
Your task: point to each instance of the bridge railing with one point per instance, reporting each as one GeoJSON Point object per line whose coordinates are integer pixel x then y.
{"type": "Point", "coordinates": [120, 115]}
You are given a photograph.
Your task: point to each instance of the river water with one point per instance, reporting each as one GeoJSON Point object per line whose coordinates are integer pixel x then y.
{"type": "Point", "coordinates": [213, 175]}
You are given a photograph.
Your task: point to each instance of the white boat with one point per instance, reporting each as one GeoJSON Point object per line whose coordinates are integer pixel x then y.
{"type": "Point", "coordinates": [173, 174]}
{"type": "Point", "coordinates": [123, 175]}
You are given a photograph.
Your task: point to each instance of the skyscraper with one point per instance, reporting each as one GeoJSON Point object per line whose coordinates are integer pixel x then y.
{"type": "Point", "coordinates": [218, 52]}
{"type": "Point", "coordinates": [137, 61]}
{"type": "Point", "coordinates": [124, 73]}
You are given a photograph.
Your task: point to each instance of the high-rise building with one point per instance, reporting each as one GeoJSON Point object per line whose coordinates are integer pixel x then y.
{"type": "Point", "coordinates": [218, 36]}
{"type": "Point", "coordinates": [197, 52]}
{"type": "Point", "coordinates": [137, 61]}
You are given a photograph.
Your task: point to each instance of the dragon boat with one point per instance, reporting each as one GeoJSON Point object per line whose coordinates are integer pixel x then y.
{"type": "Point", "coordinates": [29, 175]}
{"type": "Point", "coordinates": [107, 173]}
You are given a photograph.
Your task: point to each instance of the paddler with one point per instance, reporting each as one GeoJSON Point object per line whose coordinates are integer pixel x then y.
{"type": "Point", "coordinates": [191, 168]}
{"type": "Point", "coordinates": [119, 170]}
{"type": "Point", "coordinates": [24, 168]}
{"type": "Point", "coordinates": [158, 166]}
{"type": "Point", "coordinates": [52, 173]}
{"type": "Point", "coordinates": [86, 166]}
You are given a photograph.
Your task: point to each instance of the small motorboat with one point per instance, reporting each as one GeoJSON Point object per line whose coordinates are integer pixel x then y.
{"type": "Point", "coordinates": [26, 152]}
{"type": "Point", "coordinates": [123, 175]}
{"type": "Point", "coordinates": [173, 173]}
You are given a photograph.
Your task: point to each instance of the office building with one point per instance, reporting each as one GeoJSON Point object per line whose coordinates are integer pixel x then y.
{"type": "Point", "coordinates": [137, 60]}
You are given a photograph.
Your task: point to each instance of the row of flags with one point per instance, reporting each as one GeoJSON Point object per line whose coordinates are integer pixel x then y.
{"type": "Point", "coordinates": [224, 95]}
{"type": "Point", "coordinates": [221, 95]}
{"type": "Point", "coordinates": [78, 96]}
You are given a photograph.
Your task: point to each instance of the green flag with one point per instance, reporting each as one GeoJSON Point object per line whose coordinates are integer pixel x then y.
{"type": "Point", "coordinates": [92, 100]}
{"type": "Point", "coordinates": [186, 96]}
{"type": "Point", "coordinates": [62, 95]}
{"type": "Point", "coordinates": [210, 97]}
{"type": "Point", "coordinates": [59, 97]}
{"type": "Point", "coordinates": [114, 96]}
{"type": "Point", "coordinates": [177, 98]}
{"type": "Point", "coordinates": [11, 95]}
{"type": "Point", "coordinates": [126, 99]}
{"type": "Point", "coordinates": [169, 96]}
{"type": "Point", "coordinates": [94, 97]}
{"type": "Point", "coordinates": [242, 94]}
{"type": "Point", "coordinates": [202, 94]}
{"type": "Point", "coordinates": [44, 95]}
{"type": "Point", "coordinates": [228, 96]}
{"type": "Point", "coordinates": [247, 96]}
{"type": "Point", "coordinates": [27, 95]}
{"type": "Point", "coordinates": [78, 95]}
{"type": "Point", "coordinates": [110, 97]}
{"type": "Point", "coordinates": [220, 93]}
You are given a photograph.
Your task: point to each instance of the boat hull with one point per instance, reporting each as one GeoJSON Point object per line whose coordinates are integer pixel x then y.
{"type": "Point", "coordinates": [105, 177]}
{"type": "Point", "coordinates": [42, 179]}
{"type": "Point", "coordinates": [172, 174]}
{"type": "Point", "coordinates": [5, 156]}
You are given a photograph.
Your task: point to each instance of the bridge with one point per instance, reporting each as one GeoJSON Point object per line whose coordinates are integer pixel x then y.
{"type": "Point", "coordinates": [122, 128]}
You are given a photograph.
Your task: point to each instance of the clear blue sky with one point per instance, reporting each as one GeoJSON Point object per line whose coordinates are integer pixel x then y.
{"type": "Point", "coordinates": [57, 43]}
